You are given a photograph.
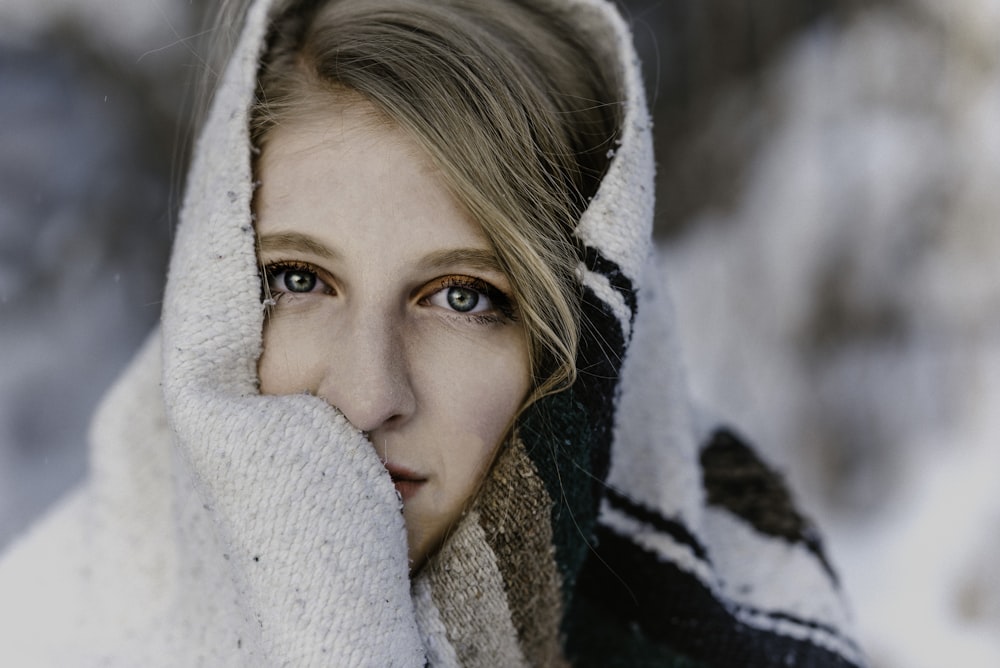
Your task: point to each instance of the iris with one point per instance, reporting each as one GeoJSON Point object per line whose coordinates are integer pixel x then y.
{"type": "Point", "coordinates": [300, 281]}
{"type": "Point", "coordinates": [462, 299]}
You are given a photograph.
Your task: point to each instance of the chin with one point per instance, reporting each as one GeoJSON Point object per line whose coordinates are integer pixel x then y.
{"type": "Point", "coordinates": [422, 542]}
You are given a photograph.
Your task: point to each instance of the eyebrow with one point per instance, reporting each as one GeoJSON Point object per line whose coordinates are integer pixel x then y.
{"type": "Point", "coordinates": [295, 242]}
{"type": "Point", "coordinates": [475, 258]}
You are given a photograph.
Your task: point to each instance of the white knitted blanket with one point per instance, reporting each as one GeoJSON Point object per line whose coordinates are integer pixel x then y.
{"type": "Point", "coordinates": [219, 527]}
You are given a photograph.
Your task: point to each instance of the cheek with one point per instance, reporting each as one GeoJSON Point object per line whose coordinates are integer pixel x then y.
{"type": "Point", "coordinates": [478, 390]}
{"type": "Point", "coordinates": [494, 396]}
{"type": "Point", "coordinates": [470, 398]}
{"type": "Point", "coordinates": [288, 361]}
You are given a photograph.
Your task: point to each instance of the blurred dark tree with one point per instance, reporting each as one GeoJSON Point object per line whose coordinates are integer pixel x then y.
{"type": "Point", "coordinates": [90, 173]}
{"type": "Point", "coordinates": [693, 51]}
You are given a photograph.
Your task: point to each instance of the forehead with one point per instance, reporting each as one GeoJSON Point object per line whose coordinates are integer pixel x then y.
{"type": "Point", "coordinates": [352, 179]}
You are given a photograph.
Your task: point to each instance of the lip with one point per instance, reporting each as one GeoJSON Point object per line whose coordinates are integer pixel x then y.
{"type": "Point", "coordinates": [406, 481]}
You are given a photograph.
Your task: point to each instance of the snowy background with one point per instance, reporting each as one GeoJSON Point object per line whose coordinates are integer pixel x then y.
{"type": "Point", "coordinates": [829, 203]}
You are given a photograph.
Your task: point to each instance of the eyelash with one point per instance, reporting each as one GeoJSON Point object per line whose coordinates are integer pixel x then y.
{"type": "Point", "coordinates": [273, 296]}
{"type": "Point", "coordinates": [502, 303]}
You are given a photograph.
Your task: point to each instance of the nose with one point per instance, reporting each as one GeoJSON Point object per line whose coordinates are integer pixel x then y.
{"type": "Point", "coordinates": [367, 376]}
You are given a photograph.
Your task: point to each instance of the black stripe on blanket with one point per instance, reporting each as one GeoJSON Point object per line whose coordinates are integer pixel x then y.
{"type": "Point", "coordinates": [596, 262]}
{"type": "Point", "coordinates": [655, 608]}
{"type": "Point", "coordinates": [737, 480]}
{"type": "Point", "coordinates": [673, 528]}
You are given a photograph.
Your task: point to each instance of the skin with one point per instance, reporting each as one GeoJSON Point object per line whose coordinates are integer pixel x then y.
{"type": "Point", "coordinates": [390, 306]}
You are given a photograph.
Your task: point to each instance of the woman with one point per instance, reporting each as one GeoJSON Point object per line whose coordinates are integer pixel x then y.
{"type": "Point", "coordinates": [419, 403]}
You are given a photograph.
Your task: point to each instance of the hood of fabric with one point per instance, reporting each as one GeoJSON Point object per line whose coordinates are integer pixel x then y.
{"type": "Point", "coordinates": [612, 529]}
{"type": "Point", "coordinates": [213, 316]}
{"type": "Point", "coordinates": [212, 328]}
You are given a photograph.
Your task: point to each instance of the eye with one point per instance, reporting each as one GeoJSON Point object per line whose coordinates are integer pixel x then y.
{"type": "Point", "coordinates": [299, 281]}
{"type": "Point", "coordinates": [293, 279]}
{"type": "Point", "coordinates": [462, 299]}
{"type": "Point", "coordinates": [472, 297]}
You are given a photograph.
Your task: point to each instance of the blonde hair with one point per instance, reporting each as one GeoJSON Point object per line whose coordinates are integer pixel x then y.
{"type": "Point", "coordinates": [505, 99]}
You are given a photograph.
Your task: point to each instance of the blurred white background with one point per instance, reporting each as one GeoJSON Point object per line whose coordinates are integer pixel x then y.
{"type": "Point", "coordinates": [829, 203]}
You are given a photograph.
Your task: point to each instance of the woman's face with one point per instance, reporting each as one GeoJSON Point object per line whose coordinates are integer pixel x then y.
{"type": "Point", "coordinates": [390, 306]}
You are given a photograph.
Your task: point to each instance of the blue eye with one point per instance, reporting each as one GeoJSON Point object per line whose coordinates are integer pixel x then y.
{"type": "Point", "coordinates": [463, 300]}
{"type": "Point", "coordinates": [295, 279]}
{"type": "Point", "coordinates": [471, 296]}
{"type": "Point", "coordinates": [298, 281]}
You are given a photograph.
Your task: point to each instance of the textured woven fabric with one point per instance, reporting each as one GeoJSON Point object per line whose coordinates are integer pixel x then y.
{"type": "Point", "coordinates": [219, 527]}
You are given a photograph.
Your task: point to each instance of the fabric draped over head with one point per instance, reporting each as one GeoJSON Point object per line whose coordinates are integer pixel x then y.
{"type": "Point", "coordinates": [613, 529]}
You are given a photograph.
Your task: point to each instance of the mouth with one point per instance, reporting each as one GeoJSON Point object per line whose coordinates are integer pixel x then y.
{"type": "Point", "coordinates": [406, 481]}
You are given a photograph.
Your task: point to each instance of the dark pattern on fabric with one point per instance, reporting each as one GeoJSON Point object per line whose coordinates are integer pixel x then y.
{"type": "Point", "coordinates": [736, 479]}
{"type": "Point", "coordinates": [599, 362]}
{"type": "Point", "coordinates": [568, 437]}
{"type": "Point", "coordinates": [676, 530]}
{"type": "Point", "coordinates": [618, 280]}
{"type": "Point", "coordinates": [642, 596]}
{"type": "Point", "coordinates": [601, 641]}
{"type": "Point", "coordinates": [562, 465]}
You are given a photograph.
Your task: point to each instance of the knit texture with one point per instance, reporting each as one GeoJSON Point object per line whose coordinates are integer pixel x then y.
{"type": "Point", "coordinates": [219, 527]}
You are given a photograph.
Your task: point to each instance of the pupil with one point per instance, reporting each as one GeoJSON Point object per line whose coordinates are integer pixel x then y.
{"type": "Point", "coordinates": [462, 299]}
{"type": "Point", "coordinates": [299, 281]}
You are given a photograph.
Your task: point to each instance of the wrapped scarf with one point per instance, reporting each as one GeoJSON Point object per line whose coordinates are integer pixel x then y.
{"type": "Point", "coordinates": [219, 527]}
